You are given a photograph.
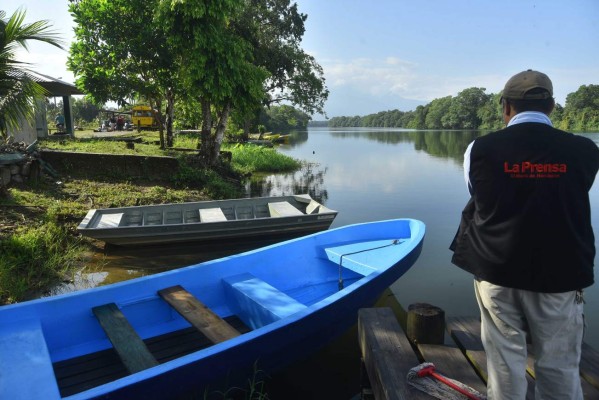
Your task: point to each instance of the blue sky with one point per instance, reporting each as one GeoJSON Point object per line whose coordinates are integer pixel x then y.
{"type": "Point", "coordinates": [380, 55]}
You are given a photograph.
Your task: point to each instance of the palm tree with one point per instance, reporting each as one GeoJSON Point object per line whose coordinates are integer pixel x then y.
{"type": "Point", "coordinates": [17, 90]}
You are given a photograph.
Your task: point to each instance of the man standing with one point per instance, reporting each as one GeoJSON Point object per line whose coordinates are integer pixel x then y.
{"type": "Point", "coordinates": [59, 120]}
{"type": "Point", "coordinates": [526, 236]}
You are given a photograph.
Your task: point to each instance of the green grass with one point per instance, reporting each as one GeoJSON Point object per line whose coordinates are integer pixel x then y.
{"type": "Point", "coordinates": [251, 158]}
{"type": "Point", "coordinates": [35, 257]}
{"type": "Point", "coordinates": [39, 243]}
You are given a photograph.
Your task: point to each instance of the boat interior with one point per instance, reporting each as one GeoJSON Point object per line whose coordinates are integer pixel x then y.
{"type": "Point", "coordinates": [157, 215]}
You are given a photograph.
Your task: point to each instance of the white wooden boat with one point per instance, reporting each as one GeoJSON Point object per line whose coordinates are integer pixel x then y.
{"type": "Point", "coordinates": [265, 218]}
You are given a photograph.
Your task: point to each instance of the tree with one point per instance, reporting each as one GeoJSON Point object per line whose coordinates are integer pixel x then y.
{"type": "Point", "coordinates": [237, 55]}
{"type": "Point", "coordinates": [85, 110]}
{"type": "Point", "coordinates": [436, 110]}
{"type": "Point", "coordinates": [581, 111]}
{"type": "Point", "coordinates": [18, 91]}
{"type": "Point", "coordinates": [274, 30]}
{"type": "Point", "coordinates": [119, 54]}
{"type": "Point", "coordinates": [284, 118]}
{"type": "Point", "coordinates": [216, 64]}
{"type": "Point", "coordinates": [463, 112]}
{"type": "Point", "coordinates": [490, 113]}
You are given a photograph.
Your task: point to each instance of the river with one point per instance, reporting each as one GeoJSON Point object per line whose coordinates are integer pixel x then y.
{"type": "Point", "coordinates": [369, 174]}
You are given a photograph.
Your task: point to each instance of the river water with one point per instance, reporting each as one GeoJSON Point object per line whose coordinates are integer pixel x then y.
{"type": "Point", "coordinates": [371, 174]}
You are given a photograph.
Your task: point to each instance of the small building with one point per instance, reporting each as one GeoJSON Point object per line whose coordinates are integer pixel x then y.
{"type": "Point", "coordinates": [30, 131]}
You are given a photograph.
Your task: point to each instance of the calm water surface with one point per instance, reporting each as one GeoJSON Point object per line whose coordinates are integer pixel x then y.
{"type": "Point", "coordinates": [366, 175]}
{"type": "Point", "coordinates": [370, 174]}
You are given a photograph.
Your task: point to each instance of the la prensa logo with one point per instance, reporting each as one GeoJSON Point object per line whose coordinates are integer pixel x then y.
{"type": "Point", "coordinates": [527, 169]}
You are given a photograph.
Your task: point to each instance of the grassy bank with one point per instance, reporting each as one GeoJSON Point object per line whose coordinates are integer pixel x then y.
{"type": "Point", "coordinates": [39, 245]}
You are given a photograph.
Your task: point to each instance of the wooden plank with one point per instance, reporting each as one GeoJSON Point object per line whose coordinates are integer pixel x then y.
{"type": "Point", "coordinates": [85, 372]}
{"type": "Point", "coordinates": [283, 209]}
{"type": "Point", "coordinates": [589, 365]}
{"type": "Point", "coordinates": [197, 314]}
{"type": "Point", "coordinates": [129, 346]}
{"type": "Point", "coordinates": [465, 331]}
{"type": "Point", "coordinates": [109, 220]}
{"type": "Point", "coordinates": [212, 215]}
{"type": "Point", "coordinates": [387, 354]}
{"type": "Point", "coordinates": [451, 362]}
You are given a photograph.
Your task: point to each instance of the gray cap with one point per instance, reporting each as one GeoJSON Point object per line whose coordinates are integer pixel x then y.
{"type": "Point", "coordinates": [518, 85]}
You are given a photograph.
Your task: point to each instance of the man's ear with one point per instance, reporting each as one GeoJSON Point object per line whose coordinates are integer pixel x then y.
{"type": "Point", "coordinates": [552, 107]}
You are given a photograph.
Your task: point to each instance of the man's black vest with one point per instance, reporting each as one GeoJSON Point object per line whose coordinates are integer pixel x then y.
{"type": "Point", "coordinates": [528, 222]}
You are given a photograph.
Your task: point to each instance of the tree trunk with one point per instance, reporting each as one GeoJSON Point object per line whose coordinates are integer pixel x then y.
{"type": "Point", "coordinates": [205, 145]}
{"type": "Point", "coordinates": [160, 122]}
{"type": "Point", "coordinates": [170, 109]}
{"type": "Point", "coordinates": [247, 122]}
{"type": "Point", "coordinates": [220, 132]}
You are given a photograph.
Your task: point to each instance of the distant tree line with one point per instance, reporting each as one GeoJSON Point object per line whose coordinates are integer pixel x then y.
{"type": "Point", "coordinates": [472, 108]}
{"type": "Point", "coordinates": [283, 118]}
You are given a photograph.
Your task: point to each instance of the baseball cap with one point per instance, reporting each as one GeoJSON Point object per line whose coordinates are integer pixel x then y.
{"type": "Point", "coordinates": [517, 86]}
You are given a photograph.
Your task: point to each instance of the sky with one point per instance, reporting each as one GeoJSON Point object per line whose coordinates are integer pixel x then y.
{"type": "Point", "coordinates": [380, 55]}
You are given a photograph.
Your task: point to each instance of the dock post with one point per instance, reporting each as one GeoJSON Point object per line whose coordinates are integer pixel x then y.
{"type": "Point", "coordinates": [425, 324]}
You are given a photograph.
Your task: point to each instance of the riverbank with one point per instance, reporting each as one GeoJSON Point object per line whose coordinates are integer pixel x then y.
{"type": "Point", "coordinates": [39, 243]}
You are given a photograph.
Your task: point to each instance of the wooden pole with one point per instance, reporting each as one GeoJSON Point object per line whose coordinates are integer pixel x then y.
{"type": "Point", "coordinates": [425, 324]}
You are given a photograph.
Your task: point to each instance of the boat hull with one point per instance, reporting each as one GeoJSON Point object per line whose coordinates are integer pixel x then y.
{"type": "Point", "coordinates": [305, 271]}
{"type": "Point", "coordinates": [147, 225]}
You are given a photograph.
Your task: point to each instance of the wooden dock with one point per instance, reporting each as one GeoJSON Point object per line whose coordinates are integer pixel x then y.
{"type": "Point", "coordinates": [388, 355]}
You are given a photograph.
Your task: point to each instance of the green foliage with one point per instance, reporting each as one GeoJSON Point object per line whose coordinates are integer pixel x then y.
{"type": "Point", "coordinates": [249, 158]}
{"type": "Point", "coordinates": [33, 258]}
{"type": "Point", "coordinates": [85, 110]}
{"type": "Point", "coordinates": [275, 28]}
{"type": "Point", "coordinates": [581, 112]}
{"type": "Point", "coordinates": [283, 118]}
{"type": "Point", "coordinates": [118, 53]}
{"type": "Point", "coordinates": [474, 109]}
{"type": "Point", "coordinates": [18, 92]}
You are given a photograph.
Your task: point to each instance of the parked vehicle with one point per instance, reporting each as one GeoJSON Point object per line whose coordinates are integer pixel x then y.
{"type": "Point", "coordinates": [144, 117]}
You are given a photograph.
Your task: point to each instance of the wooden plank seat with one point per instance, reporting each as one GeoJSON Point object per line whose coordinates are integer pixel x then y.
{"type": "Point", "coordinates": [212, 215]}
{"type": "Point", "coordinates": [198, 315]}
{"type": "Point", "coordinates": [109, 220]}
{"type": "Point", "coordinates": [87, 371]}
{"type": "Point", "coordinates": [283, 209]}
{"type": "Point", "coordinates": [30, 375]}
{"type": "Point", "coordinates": [126, 342]}
{"type": "Point", "coordinates": [387, 355]}
{"type": "Point", "coordinates": [256, 302]}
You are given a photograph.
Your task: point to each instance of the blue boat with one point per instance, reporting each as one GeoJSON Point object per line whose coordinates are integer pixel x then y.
{"type": "Point", "coordinates": [180, 331]}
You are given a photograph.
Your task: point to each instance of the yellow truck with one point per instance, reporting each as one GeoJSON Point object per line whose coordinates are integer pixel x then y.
{"type": "Point", "coordinates": [144, 117]}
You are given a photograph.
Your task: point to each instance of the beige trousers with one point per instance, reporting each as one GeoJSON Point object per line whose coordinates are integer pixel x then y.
{"type": "Point", "coordinates": [554, 322]}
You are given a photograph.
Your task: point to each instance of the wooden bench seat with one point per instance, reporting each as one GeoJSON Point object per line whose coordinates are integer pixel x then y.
{"type": "Point", "coordinates": [30, 375]}
{"type": "Point", "coordinates": [283, 209]}
{"type": "Point", "coordinates": [256, 302]}
{"type": "Point", "coordinates": [198, 315]}
{"type": "Point", "coordinates": [126, 342]}
{"type": "Point", "coordinates": [212, 215]}
{"type": "Point", "coordinates": [109, 220]}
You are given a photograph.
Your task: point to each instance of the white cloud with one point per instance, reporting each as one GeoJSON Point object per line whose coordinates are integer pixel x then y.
{"type": "Point", "coordinates": [405, 79]}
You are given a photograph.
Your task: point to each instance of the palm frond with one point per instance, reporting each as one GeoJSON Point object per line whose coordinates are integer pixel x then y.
{"type": "Point", "coordinates": [18, 91]}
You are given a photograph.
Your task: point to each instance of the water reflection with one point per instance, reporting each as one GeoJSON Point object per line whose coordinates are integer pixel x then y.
{"type": "Point", "coordinates": [438, 143]}
{"type": "Point", "coordinates": [309, 179]}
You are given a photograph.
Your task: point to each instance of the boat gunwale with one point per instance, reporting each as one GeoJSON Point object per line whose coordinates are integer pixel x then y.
{"type": "Point", "coordinates": [411, 250]}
